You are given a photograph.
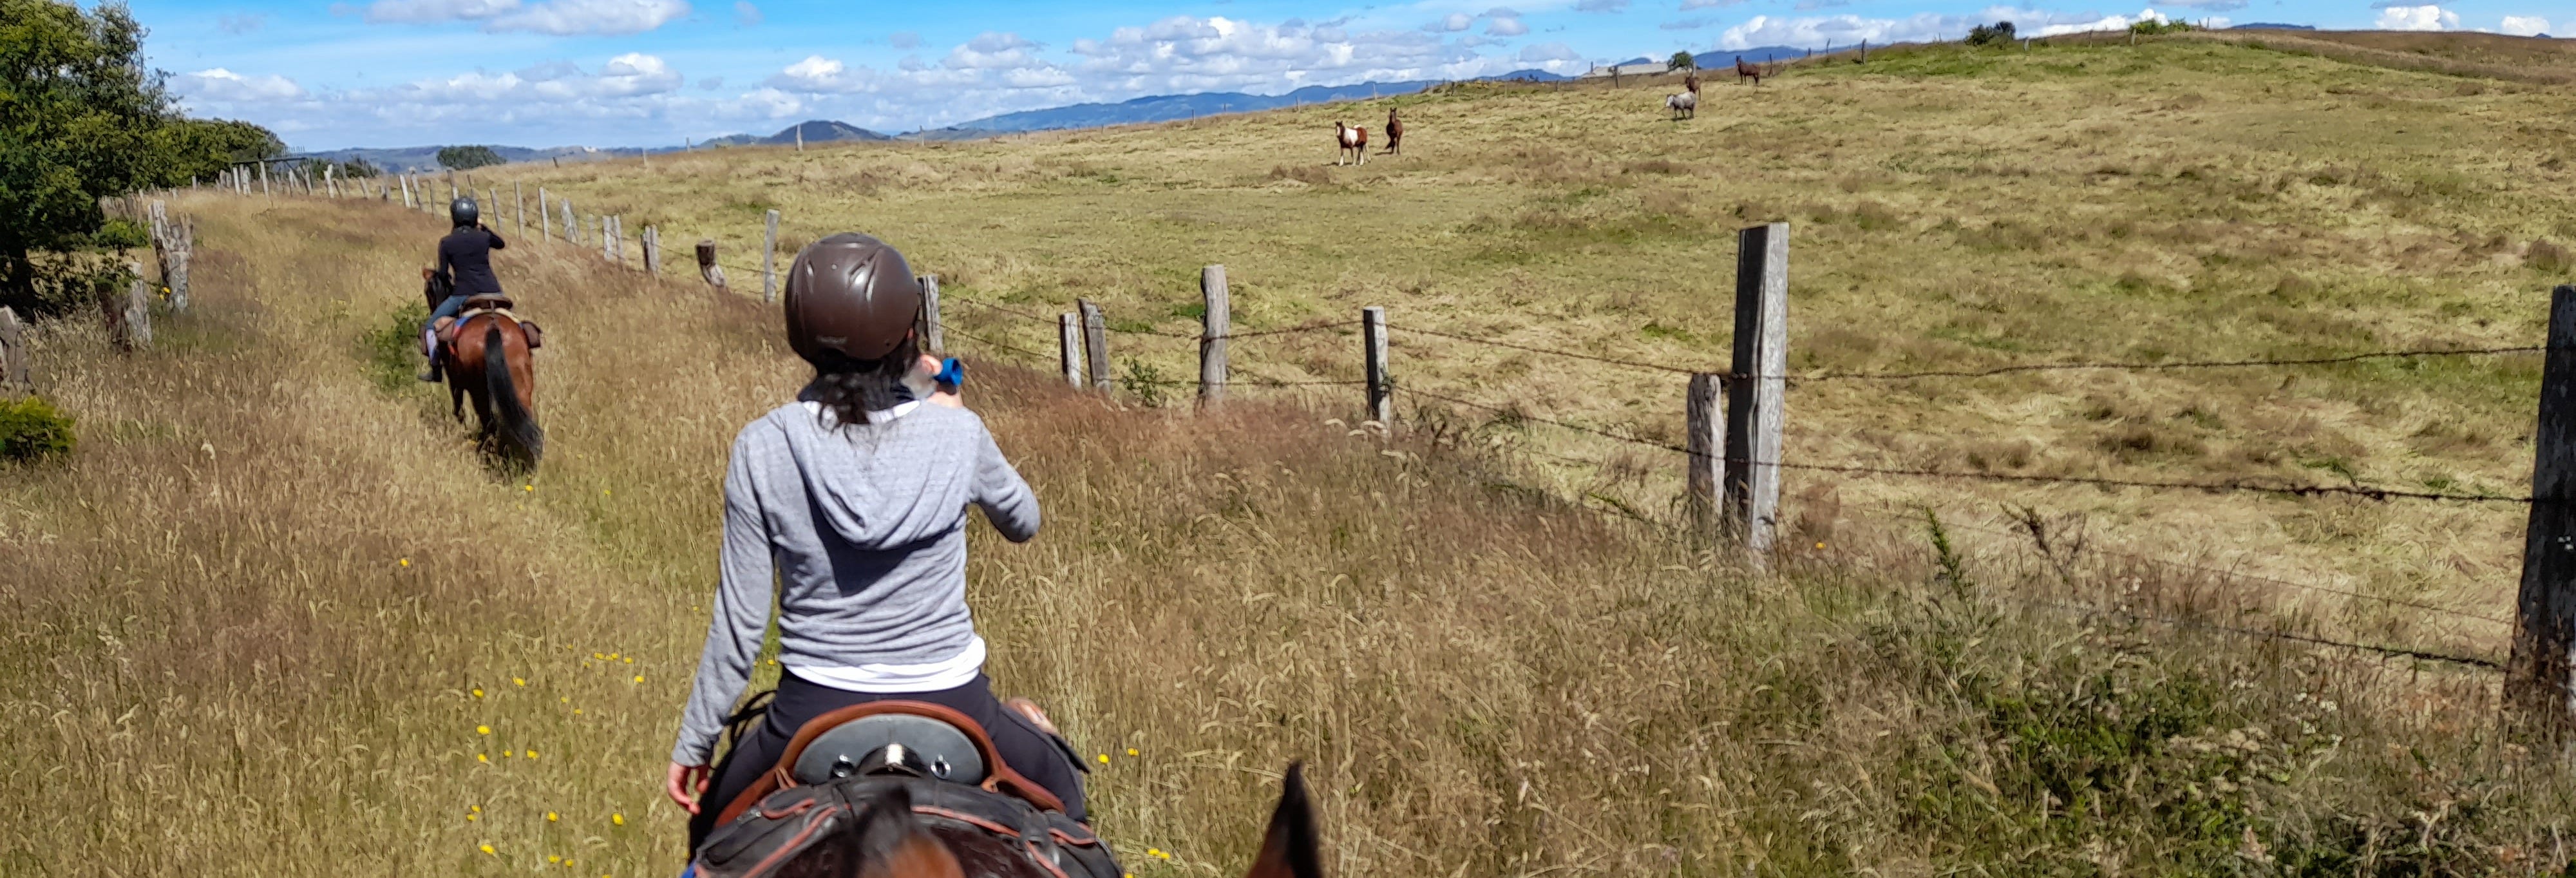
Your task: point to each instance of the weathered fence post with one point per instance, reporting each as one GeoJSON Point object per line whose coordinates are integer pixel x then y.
{"type": "Point", "coordinates": [1757, 385]}
{"type": "Point", "coordinates": [128, 314]}
{"type": "Point", "coordinates": [608, 238]}
{"type": "Point", "coordinates": [1381, 394]}
{"type": "Point", "coordinates": [1068, 338]}
{"type": "Point", "coordinates": [571, 228]}
{"type": "Point", "coordinates": [930, 329]}
{"type": "Point", "coordinates": [263, 180]}
{"type": "Point", "coordinates": [800, 137]}
{"type": "Point", "coordinates": [173, 242]}
{"type": "Point", "coordinates": [653, 252]}
{"type": "Point", "coordinates": [2540, 675]}
{"type": "Point", "coordinates": [13, 354]}
{"type": "Point", "coordinates": [1215, 322]}
{"type": "Point", "coordinates": [1704, 421]}
{"type": "Point", "coordinates": [769, 258]}
{"type": "Point", "coordinates": [331, 180]}
{"type": "Point", "coordinates": [406, 189]}
{"type": "Point", "coordinates": [1095, 343]}
{"type": "Point", "coordinates": [708, 270]}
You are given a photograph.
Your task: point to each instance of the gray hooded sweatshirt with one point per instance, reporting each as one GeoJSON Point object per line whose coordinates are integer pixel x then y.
{"type": "Point", "coordinates": [865, 532]}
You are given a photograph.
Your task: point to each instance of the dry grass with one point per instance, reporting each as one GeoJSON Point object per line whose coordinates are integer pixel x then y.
{"type": "Point", "coordinates": [219, 662]}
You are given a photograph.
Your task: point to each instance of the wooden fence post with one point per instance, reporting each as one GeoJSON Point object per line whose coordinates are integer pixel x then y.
{"type": "Point", "coordinates": [129, 314]}
{"type": "Point", "coordinates": [930, 328]}
{"type": "Point", "coordinates": [708, 270]}
{"type": "Point", "coordinates": [545, 218]}
{"type": "Point", "coordinates": [174, 243]}
{"type": "Point", "coordinates": [1095, 343]}
{"type": "Point", "coordinates": [1757, 385]}
{"type": "Point", "coordinates": [653, 252]}
{"type": "Point", "coordinates": [2540, 675]}
{"type": "Point", "coordinates": [1704, 419]}
{"type": "Point", "coordinates": [13, 354]}
{"type": "Point", "coordinates": [263, 180]}
{"type": "Point", "coordinates": [769, 258]}
{"type": "Point", "coordinates": [331, 180]}
{"type": "Point", "coordinates": [406, 189]}
{"type": "Point", "coordinates": [608, 237]}
{"type": "Point", "coordinates": [1069, 342]}
{"type": "Point", "coordinates": [1215, 323]}
{"type": "Point", "coordinates": [1381, 392]}
{"type": "Point", "coordinates": [571, 229]}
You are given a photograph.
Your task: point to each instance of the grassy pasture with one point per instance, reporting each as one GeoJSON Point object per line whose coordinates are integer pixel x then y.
{"type": "Point", "coordinates": [258, 622]}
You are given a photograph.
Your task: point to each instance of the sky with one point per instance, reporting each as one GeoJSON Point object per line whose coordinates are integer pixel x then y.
{"type": "Point", "coordinates": [541, 73]}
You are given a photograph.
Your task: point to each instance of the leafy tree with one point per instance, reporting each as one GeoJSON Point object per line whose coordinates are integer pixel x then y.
{"type": "Point", "coordinates": [81, 118]}
{"type": "Point", "coordinates": [1682, 61]}
{"type": "Point", "coordinates": [467, 158]}
{"type": "Point", "coordinates": [201, 148]}
{"type": "Point", "coordinates": [1991, 34]}
{"type": "Point", "coordinates": [315, 167]}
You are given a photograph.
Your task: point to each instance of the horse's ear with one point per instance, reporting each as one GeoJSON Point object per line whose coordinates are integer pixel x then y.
{"type": "Point", "coordinates": [1290, 848]}
{"type": "Point", "coordinates": [428, 273]}
{"type": "Point", "coordinates": [889, 843]}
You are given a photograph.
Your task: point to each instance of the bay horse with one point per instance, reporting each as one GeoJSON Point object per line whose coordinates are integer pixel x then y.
{"type": "Point", "coordinates": [1394, 133]}
{"type": "Point", "coordinates": [1745, 71]}
{"type": "Point", "coordinates": [485, 355]}
{"type": "Point", "coordinates": [890, 840]}
{"type": "Point", "coordinates": [1354, 142]}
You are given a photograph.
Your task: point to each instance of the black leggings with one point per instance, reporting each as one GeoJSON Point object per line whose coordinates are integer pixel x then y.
{"type": "Point", "coordinates": [1024, 747]}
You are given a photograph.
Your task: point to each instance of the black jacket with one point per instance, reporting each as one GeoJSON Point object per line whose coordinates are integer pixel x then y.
{"type": "Point", "coordinates": [465, 259]}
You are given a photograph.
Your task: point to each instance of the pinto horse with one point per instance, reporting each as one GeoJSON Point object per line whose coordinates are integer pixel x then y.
{"type": "Point", "coordinates": [889, 840]}
{"type": "Point", "coordinates": [1394, 133]}
{"type": "Point", "coordinates": [1354, 142]}
{"type": "Point", "coordinates": [485, 354]}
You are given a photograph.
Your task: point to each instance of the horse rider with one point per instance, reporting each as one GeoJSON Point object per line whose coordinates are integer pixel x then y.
{"type": "Point", "coordinates": [465, 263]}
{"type": "Point", "coordinates": [853, 499]}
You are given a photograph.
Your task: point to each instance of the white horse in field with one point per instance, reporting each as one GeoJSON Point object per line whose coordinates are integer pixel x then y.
{"type": "Point", "coordinates": [1684, 105]}
{"type": "Point", "coordinates": [1354, 142]}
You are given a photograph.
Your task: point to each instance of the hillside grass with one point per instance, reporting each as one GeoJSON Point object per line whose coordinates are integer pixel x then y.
{"type": "Point", "coordinates": [257, 620]}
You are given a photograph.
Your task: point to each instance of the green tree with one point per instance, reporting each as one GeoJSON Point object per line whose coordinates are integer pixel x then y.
{"type": "Point", "coordinates": [1682, 61]}
{"type": "Point", "coordinates": [467, 158]}
{"type": "Point", "coordinates": [201, 148]}
{"type": "Point", "coordinates": [81, 118]}
{"type": "Point", "coordinates": [1991, 34]}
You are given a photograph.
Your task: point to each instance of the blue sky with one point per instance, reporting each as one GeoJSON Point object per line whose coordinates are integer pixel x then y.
{"type": "Point", "coordinates": [655, 72]}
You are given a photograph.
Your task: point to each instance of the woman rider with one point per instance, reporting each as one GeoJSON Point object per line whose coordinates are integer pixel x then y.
{"type": "Point", "coordinates": [854, 499]}
{"type": "Point", "coordinates": [465, 263]}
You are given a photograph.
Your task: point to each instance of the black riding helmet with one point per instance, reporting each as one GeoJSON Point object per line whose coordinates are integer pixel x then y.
{"type": "Point", "coordinates": [463, 213]}
{"type": "Point", "coordinates": [852, 297]}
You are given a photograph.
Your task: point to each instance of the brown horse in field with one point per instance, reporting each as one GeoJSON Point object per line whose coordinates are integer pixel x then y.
{"type": "Point", "coordinates": [485, 354]}
{"type": "Point", "coordinates": [1394, 133]}
{"type": "Point", "coordinates": [1744, 71]}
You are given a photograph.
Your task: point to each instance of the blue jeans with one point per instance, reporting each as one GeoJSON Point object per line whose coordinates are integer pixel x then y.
{"type": "Point", "coordinates": [449, 308]}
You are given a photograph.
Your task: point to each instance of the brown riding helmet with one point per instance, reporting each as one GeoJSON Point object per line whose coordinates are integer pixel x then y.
{"type": "Point", "coordinates": [851, 295]}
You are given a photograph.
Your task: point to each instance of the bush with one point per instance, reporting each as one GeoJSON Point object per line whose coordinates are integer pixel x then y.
{"type": "Point", "coordinates": [121, 234]}
{"type": "Point", "coordinates": [1995, 34]}
{"type": "Point", "coordinates": [393, 349]}
{"type": "Point", "coordinates": [32, 430]}
{"type": "Point", "coordinates": [2152, 27]}
{"type": "Point", "coordinates": [467, 158]}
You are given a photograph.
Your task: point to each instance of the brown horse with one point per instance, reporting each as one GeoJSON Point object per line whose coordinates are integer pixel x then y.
{"type": "Point", "coordinates": [1394, 133]}
{"type": "Point", "coordinates": [1744, 71]}
{"type": "Point", "coordinates": [485, 354]}
{"type": "Point", "coordinates": [889, 840]}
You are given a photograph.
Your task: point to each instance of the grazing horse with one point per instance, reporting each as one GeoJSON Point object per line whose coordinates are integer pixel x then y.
{"type": "Point", "coordinates": [1394, 133]}
{"type": "Point", "coordinates": [485, 355]}
{"type": "Point", "coordinates": [1690, 82]}
{"type": "Point", "coordinates": [1683, 104]}
{"type": "Point", "coordinates": [1744, 71]}
{"type": "Point", "coordinates": [1354, 142]}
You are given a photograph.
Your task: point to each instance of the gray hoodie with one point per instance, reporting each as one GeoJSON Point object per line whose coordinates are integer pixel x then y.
{"type": "Point", "coordinates": [865, 532]}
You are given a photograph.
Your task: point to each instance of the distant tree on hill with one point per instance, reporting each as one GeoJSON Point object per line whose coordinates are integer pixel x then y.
{"type": "Point", "coordinates": [350, 169]}
{"type": "Point", "coordinates": [1682, 61]}
{"type": "Point", "coordinates": [467, 158]}
{"type": "Point", "coordinates": [2152, 27]}
{"type": "Point", "coordinates": [1991, 34]}
{"type": "Point", "coordinates": [201, 148]}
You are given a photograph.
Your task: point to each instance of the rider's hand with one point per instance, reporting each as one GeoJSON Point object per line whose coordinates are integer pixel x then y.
{"type": "Point", "coordinates": [945, 395]}
{"type": "Point", "coordinates": [685, 784]}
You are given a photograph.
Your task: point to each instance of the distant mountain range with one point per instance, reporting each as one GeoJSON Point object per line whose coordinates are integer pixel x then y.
{"type": "Point", "coordinates": [1155, 108]}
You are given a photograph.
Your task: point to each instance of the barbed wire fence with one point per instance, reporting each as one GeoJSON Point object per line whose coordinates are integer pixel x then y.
{"type": "Point", "coordinates": [1733, 455]}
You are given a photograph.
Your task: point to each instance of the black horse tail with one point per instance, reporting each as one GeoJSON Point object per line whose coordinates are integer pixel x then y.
{"type": "Point", "coordinates": [521, 439]}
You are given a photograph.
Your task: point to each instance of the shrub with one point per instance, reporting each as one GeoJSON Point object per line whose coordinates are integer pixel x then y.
{"type": "Point", "coordinates": [32, 430]}
{"type": "Point", "coordinates": [2152, 27]}
{"type": "Point", "coordinates": [1998, 33]}
{"type": "Point", "coordinates": [121, 234]}
{"type": "Point", "coordinates": [393, 350]}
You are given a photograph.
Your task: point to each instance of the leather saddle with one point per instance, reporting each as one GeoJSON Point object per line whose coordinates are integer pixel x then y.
{"type": "Point", "coordinates": [496, 304]}
{"type": "Point", "coordinates": [897, 738]}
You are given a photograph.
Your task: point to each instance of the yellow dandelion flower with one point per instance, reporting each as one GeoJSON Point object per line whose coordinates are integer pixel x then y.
{"type": "Point", "coordinates": [478, 809]}
{"type": "Point", "coordinates": [1104, 758]}
{"type": "Point", "coordinates": [488, 849]}
{"type": "Point", "coordinates": [617, 819]}
{"type": "Point", "coordinates": [639, 678]}
{"type": "Point", "coordinates": [597, 656]}
{"type": "Point", "coordinates": [1820, 545]}
{"type": "Point", "coordinates": [1131, 751]}
{"type": "Point", "coordinates": [1163, 854]}
{"type": "Point", "coordinates": [630, 659]}
{"type": "Point", "coordinates": [567, 862]}
{"type": "Point", "coordinates": [603, 492]}
{"type": "Point", "coordinates": [484, 758]}
{"type": "Point", "coordinates": [532, 754]}
{"type": "Point", "coordinates": [478, 691]}
{"type": "Point", "coordinates": [1153, 852]}
{"type": "Point", "coordinates": [529, 488]}
{"type": "Point", "coordinates": [612, 655]}
{"type": "Point", "coordinates": [550, 817]}
{"type": "Point", "coordinates": [482, 730]}
{"type": "Point", "coordinates": [576, 711]}
{"type": "Point", "coordinates": [473, 817]}
{"type": "Point", "coordinates": [505, 754]}
{"type": "Point", "coordinates": [406, 562]}
{"type": "Point", "coordinates": [565, 699]}
{"type": "Point", "coordinates": [554, 858]}
{"type": "Point", "coordinates": [519, 680]}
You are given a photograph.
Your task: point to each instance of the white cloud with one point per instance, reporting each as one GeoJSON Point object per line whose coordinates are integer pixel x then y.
{"type": "Point", "coordinates": [433, 11]}
{"type": "Point", "coordinates": [1601, 6]}
{"type": "Point", "coordinates": [1452, 23]}
{"type": "Point", "coordinates": [2427, 17]}
{"type": "Point", "coordinates": [1688, 5]}
{"type": "Point", "coordinates": [1686, 24]}
{"type": "Point", "coordinates": [1545, 52]}
{"type": "Point", "coordinates": [745, 14]}
{"type": "Point", "coordinates": [904, 39]}
{"type": "Point", "coordinates": [817, 75]}
{"type": "Point", "coordinates": [993, 51]}
{"type": "Point", "coordinates": [224, 86]}
{"type": "Point", "coordinates": [1506, 27]}
{"type": "Point", "coordinates": [2525, 25]}
{"type": "Point", "coordinates": [2110, 23]}
{"type": "Point", "coordinates": [771, 103]}
{"type": "Point", "coordinates": [564, 18]}
{"type": "Point", "coordinates": [635, 73]}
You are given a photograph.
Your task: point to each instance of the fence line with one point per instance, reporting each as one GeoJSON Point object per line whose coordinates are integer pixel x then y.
{"type": "Point", "coordinates": [2185, 364]}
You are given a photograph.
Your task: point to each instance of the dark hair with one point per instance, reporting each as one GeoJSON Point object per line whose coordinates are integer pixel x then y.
{"type": "Point", "coordinates": [849, 389]}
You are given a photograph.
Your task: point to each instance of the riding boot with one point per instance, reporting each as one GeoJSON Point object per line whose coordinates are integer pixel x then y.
{"type": "Point", "coordinates": [435, 373]}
